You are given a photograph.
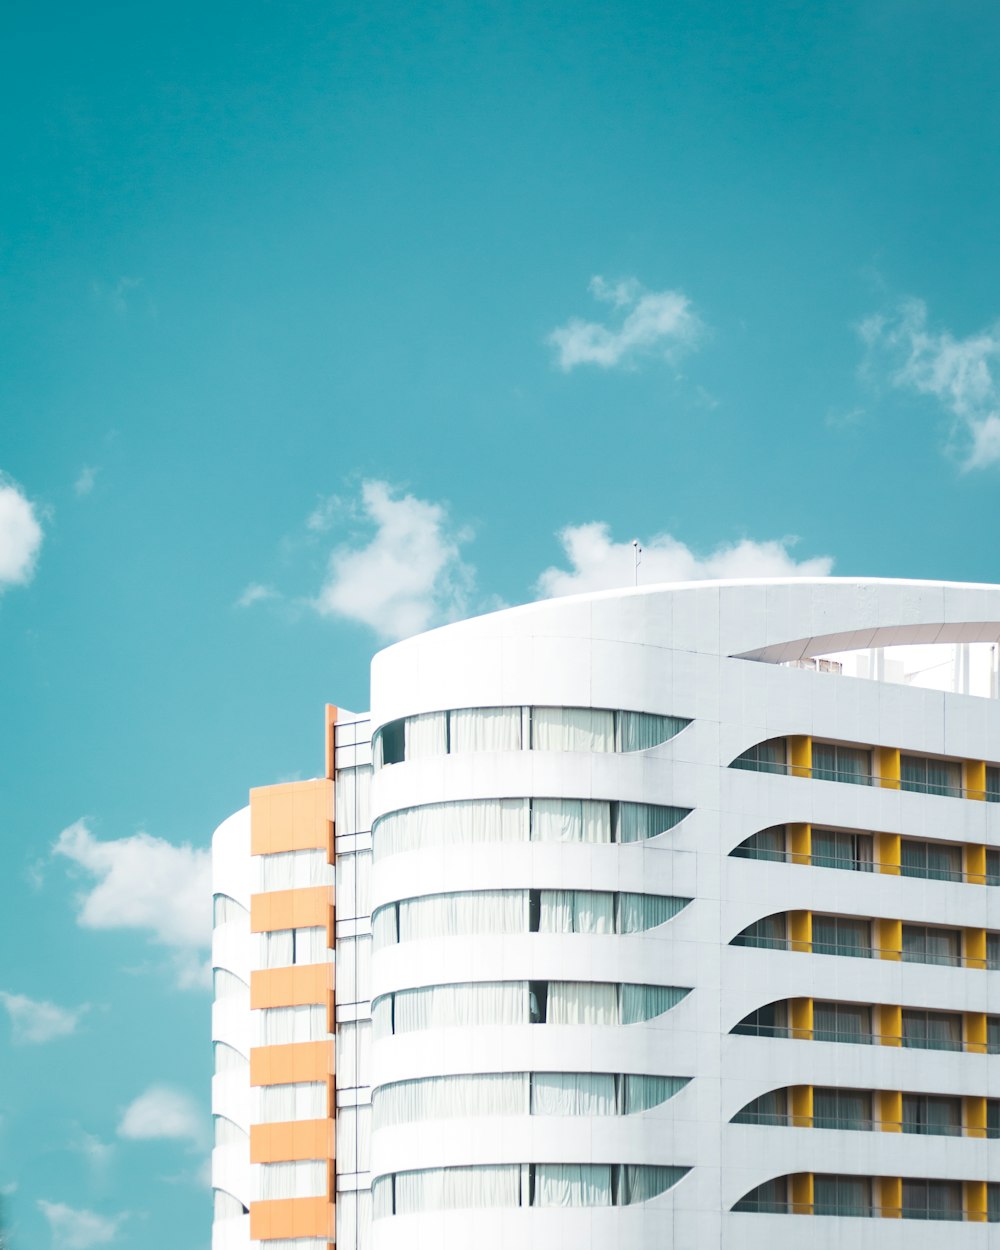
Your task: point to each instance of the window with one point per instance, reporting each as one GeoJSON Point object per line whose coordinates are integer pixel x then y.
{"type": "Point", "coordinates": [936, 861]}
{"type": "Point", "coordinates": [767, 844]}
{"type": "Point", "coordinates": [925, 945]}
{"type": "Point", "coordinates": [836, 763]}
{"type": "Point", "coordinates": [993, 950]}
{"type": "Point", "coordinates": [932, 1030]}
{"type": "Point", "coordinates": [226, 910]}
{"type": "Point", "coordinates": [842, 1109]}
{"type": "Point", "coordinates": [832, 849]}
{"type": "Point", "coordinates": [768, 933]}
{"type": "Point", "coordinates": [769, 1021]}
{"type": "Point", "coordinates": [838, 935]}
{"type": "Point", "coordinates": [992, 867]}
{"type": "Point", "coordinates": [932, 1116]}
{"type": "Point", "coordinates": [842, 1195]}
{"type": "Point", "coordinates": [842, 1022]}
{"type": "Point", "coordinates": [993, 1035]}
{"type": "Point", "coordinates": [992, 783]}
{"type": "Point", "coordinates": [930, 776]}
{"type": "Point", "coordinates": [993, 1203]}
{"type": "Point", "coordinates": [932, 1200]}
{"type": "Point", "coordinates": [992, 1118]}
{"type": "Point", "coordinates": [770, 1198]}
{"type": "Point", "coordinates": [282, 948]}
{"type": "Point", "coordinates": [770, 1108]}
{"type": "Point", "coordinates": [765, 757]}
{"type": "Point", "coordinates": [389, 744]}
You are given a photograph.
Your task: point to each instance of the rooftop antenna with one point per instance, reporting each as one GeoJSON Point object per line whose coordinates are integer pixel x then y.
{"type": "Point", "coordinates": [637, 555]}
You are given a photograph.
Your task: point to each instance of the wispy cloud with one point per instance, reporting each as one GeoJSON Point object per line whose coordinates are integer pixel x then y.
{"type": "Point", "coordinates": [20, 535]}
{"type": "Point", "coordinates": [405, 572]}
{"type": "Point", "coordinates": [164, 1113]}
{"type": "Point", "coordinates": [597, 562]}
{"type": "Point", "coordinates": [642, 323]}
{"type": "Point", "coordinates": [144, 882]}
{"type": "Point", "coordinates": [118, 295]}
{"type": "Point", "coordinates": [84, 483]}
{"type": "Point", "coordinates": [34, 1021]}
{"type": "Point", "coordinates": [960, 373]}
{"type": "Point", "coordinates": [76, 1229]}
{"type": "Point", "coordinates": [256, 592]}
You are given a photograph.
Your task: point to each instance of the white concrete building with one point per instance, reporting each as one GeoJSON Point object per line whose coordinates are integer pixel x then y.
{"type": "Point", "coordinates": [680, 929]}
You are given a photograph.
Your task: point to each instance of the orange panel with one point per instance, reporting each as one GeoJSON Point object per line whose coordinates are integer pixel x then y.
{"type": "Point", "coordinates": [290, 1063]}
{"type": "Point", "coordinates": [296, 1139]}
{"type": "Point", "coordinates": [291, 987]}
{"type": "Point", "coordinates": [292, 1217]}
{"type": "Point", "coordinates": [331, 720]}
{"type": "Point", "coordinates": [291, 909]}
{"type": "Point", "coordinates": [297, 816]}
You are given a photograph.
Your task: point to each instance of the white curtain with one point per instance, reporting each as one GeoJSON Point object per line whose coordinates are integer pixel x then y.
{"type": "Point", "coordinates": [364, 884]}
{"type": "Point", "coordinates": [228, 1133]}
{"type": "Point", "coordinates": [277, 1026]}
{"type": "Point", "coordinates": [353, 885]}
{"type": "Point", "coordinates": [281, 948]}
{"type": "Point", "coordinates": [347, 970]}
{"type": "Point", "coordinates": [352, 794]}
{"type": "Point", "coordinates": [463, 1005]}
{"type": "Point", "coordinates": [572, 729]}
{"type": "Point", "coordinates": [573, 1185]}
{"type": "Point", "coordinates": [645, 1002]}
{"type": "Point", "coordinates": [382, 1017]}
{"type": "Point", "coordinates": [577, 911]}
{"type": "Point", "coordinates": [638, 821]}
{"type": "Point", "coordinates": [226, 910]}
{"type": "Point", "coordinates": [572, 1093]}
{"type": "Point", "coordinates": [353, 1053]}
{"type": "Point", "coordinates": [385, 926]}
{"type": "Point", "coordinates": [485, 729]}
{"type": "Point", "coordinates": [226, 1207]}
{"type": "Point", "coordinates": [639, 912]}
{"type": "Point", "coordinates": [227, 984]}
{"type": "Point", "coordinates": [382, 1188]}
{"type": "Point", "coordinates": [639, 1093]}
{"type": "Point", "coordinates": [364, 1220]}
{"type": "Point", "coordinates": [290, 870]}
{"type": "Point", "coordinates": [425, 735]}
{"type": "Point", "coordinates": [638, 731]}
{"type": "Point", "coordinates": [570, 820]}
{"type": "Point", "coordinates": [347, 1219]}
{"type": "Point", "coordinates": [279, 1104]}
{"type": "Point", "coordinates": [582, 1002]}
{"type": "Point", "coordinates": [227, 1059]}
{"type": "Point", "coordinates": [437, 824]}
{"type": "Point", "coordinates": [347, 1139]}
{"type": "Point", "coordinates": [452, 915]}
{"type": "Point", "coordinates": [363, 949]}
{"type": "Point", "coordinates": [307, 1243]}
{"type": "Point", "coordinates": [451, 1097]}
{"type": "Point", "coordinates": [639, 1182]}
{"type": "Point", "coordinates": [450, 1189]}
{"type": "Point", "coordinates": [304, 1179]}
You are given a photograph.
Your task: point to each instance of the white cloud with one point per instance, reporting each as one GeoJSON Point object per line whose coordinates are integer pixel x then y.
{"type": "Point", "coordinates": [118, 296]}
{"type": "Point", "coordinates": [959, 373]}
{"type": "Point", "coordinates": [650, 322]}
{"type": "Point", "coordinates": [256, 592]}
{"type": "Point", "coordinates": [143, 882]}
{"type": "Point", "coordinates": [407, 576]}
{"type": "Point", "coordinates": [84, 483]}
{"type": "Point", "coordinates": [597, 562]}
{"type": "Point", "coordinates": [33, 1021]}
{"type": "Point", "coordinates": [74, 1229]}
{"type": "Point", "coordinates": [20, 535]}
{"type": "Point", "coordinates": [164, 1113]}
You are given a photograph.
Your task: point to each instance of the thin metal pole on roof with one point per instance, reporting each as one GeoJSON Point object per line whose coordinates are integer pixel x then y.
{"type": "Point", "coordinates": [637, 553]}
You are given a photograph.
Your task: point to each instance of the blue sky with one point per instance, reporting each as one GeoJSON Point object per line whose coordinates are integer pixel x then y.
{"type": "Point", "coordinates": [321, 323]}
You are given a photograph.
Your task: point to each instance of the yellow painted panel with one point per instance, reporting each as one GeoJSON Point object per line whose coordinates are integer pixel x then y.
{"type": "Point", "coordinates": [975, 1201]}
{"type": "Point", "coordinates": [887, 852]}
{"type": "Point", "coordinates": [802, 1193]}
{"type": "Point", "coordinates": [889, 1110]}
{"type": "Point", "coordinates": [887, 767]}
{"type": "Point", "coordinates": [800, 843]}
{"type": "Point", "coordinates": [297, 816]}
{"type": "Point", "coordinates": [975, 864]}
{"type": "Point", "coordinates": [800, 755]}
{"type": "Point", "coordinates": [974, 1112]}
{"type": "Point", "coordinates": [801, 1018]}
{"type": "Point", "coordinates": [890, 1024]}
{"type": "Point", "coordinates": [800, 930]}
{"type": "Point", "coordinates": [974, 948]}
{"type": "Point", "coordinates": [974, 779]}
{"type": "Point", "coordinates": [889, 938]}
{"type": "Point", "coordinates": [889, 1195]}
{"type": "Point", "coordinates": [802, 1106]}
{"type": "Point", "coordinates": [975, 1031]}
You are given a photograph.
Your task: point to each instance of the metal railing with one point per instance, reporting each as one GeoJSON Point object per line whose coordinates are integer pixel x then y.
{"type": "Point", "coordinates": [849, 1037]}
{"type": "Point", "coordinates": [813, 947]}
{"type": "Point", "coordinates": [764, 1206]}
{"type": "Point", "coordinates": [848, 863]}
{"type": "Point", "coordinates": [846, 777]}
{"type": "Point", "coordinates": [857, 1124]}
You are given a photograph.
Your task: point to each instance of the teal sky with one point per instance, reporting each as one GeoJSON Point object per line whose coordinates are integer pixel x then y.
{"type": "Point", "coordinates": [320, 323]}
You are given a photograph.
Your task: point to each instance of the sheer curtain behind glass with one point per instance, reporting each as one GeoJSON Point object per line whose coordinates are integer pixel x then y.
{"type": "Point", "coordinates": [485, 729]}
{"type": "Point", "coordinates": [572, 1185]}
{"type": "Point", "coordinates": [426, 735]}
{"type": "Point", "coordinates": [437, 824]}
{"type": "Point", "coordinates": [638, 731]}
{"type": "Point", "coordinates": [576, 911]}
{"type": "Point", "coordinates": [635, 822]}
{"type": "Point", "coordinates": [572, 729]}
{"type": "Point", "coordinates": [453, 915]}
{"type": "Point", "coordinates": [570, 820]}
{"type": "Point", "coordinates": [572, 1093]}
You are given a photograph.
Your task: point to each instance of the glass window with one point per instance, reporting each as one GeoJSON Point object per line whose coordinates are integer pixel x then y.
{"type": "Point", "coordinates": [768, 933]}
{"type": "Point", "coordinates": [931, 1115]}
{"type": "Point", "coordinates": [635, 822]}
{"type": "Point", "coordinates": [389, 745]}
{"type": "Point", "coordinates": [770, 1108]}
{"type": "Point", "coordinates": [842, 1195]}
{"type": "Point", "coordinates": [932, 1200]}
{"type": "Point", "coordinates": [766, 844]}
{"type": "Point", "coordinates": [992, 1118]}
{"type": "Point", "coordinates": [770, 1198]}
{"type": "Point", "coordinates": [842, 1022]}
{"type": "Point", "coordinates": [923, 944]}
{"type": "Point", "coordinates": [639, 731]}
{"type": "Point", "coordinates": [936, 861]}
{"type": "Point", "coordinates": [993, 1203]}
{"type": "Point", "coordinates": [992, 783]}
{"type": "Point", "coordinates": [842, 1108]}
{"type": "Point", "coordinates": [993, 950]}
{"type": "Point", "coordinates": [840, 935]}
{"type": "Point", "coordinates": [226, 910]}
{"type": "Point", "coordinates": [765, 757]}
{"type": "Point", "coordinates": [932, 1030]}
{"type": "Point", "coordinates": [572, 729]}
{"type": "Point", "coordinates": [769, 1021]}
{"type": "Point", "coordinates": [836, 763]}
{"type": "Point", "coordinates": [834, 849]}
{"type": "Point", "coordinates": [993, 1035]}
{"type": "Point", "coordinates": [930, 776]}
{"type": "Point", "coordinates": [992, 867]}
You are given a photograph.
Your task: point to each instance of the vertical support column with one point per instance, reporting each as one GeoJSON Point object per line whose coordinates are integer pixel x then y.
{"type": "Point", "coordinates": [887, 767]}
{"type": "Point", "coordinates": [890, 1024]}
{"type": "Point", "coordinates": [803, 1189]}
{"type": "Point", "coordinates": [800, 925]}
{"type": "Point", "coordinates": [974, 779]}
{"type": "Point", "coordinates": [801, 1018]}
{"type": "Point", "coordinates": [974, 948]}
{"type": "Point", "coordinates": [889, 1194]}
{"type": "Point", "coordinates": [975, 864]}
{"type": "Point", "coordinates": [974, 1116]}
{"type": "Point", "coordinates": [802, 1106]}
{"type": "Point", "coordinates": [887, 852]}
{"type": "Point", "coordinates": [975, 1032]}
{"type": "Point", "coordinates": [800, 843]}
{"type": "Point", "coordinates": [975, 1201]}
{"type": "Point", "coordinates": [889, 939]}
{"type": "Point", "coordinates": [800, 755]}
{"type": "Point", "coordinates": [889, 1110]}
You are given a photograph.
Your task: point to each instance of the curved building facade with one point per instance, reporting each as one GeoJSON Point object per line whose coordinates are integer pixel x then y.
{"type": "Point", "coordinates": [663, 917]}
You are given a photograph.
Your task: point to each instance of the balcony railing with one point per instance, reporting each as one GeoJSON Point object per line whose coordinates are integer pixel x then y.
{"type": "Point", "coordinates": [768, 1119]}
{"type": "Point", "coordinates": [851, 778]}
{"type": "Point", "coordinates": [851, 1037]}
{"type": "Point", "coordinates": [765, 1206]}
{"type": "Point", "coordinates": [814, 947]}
{"type": "Point", "coordinates": [850, 863]}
